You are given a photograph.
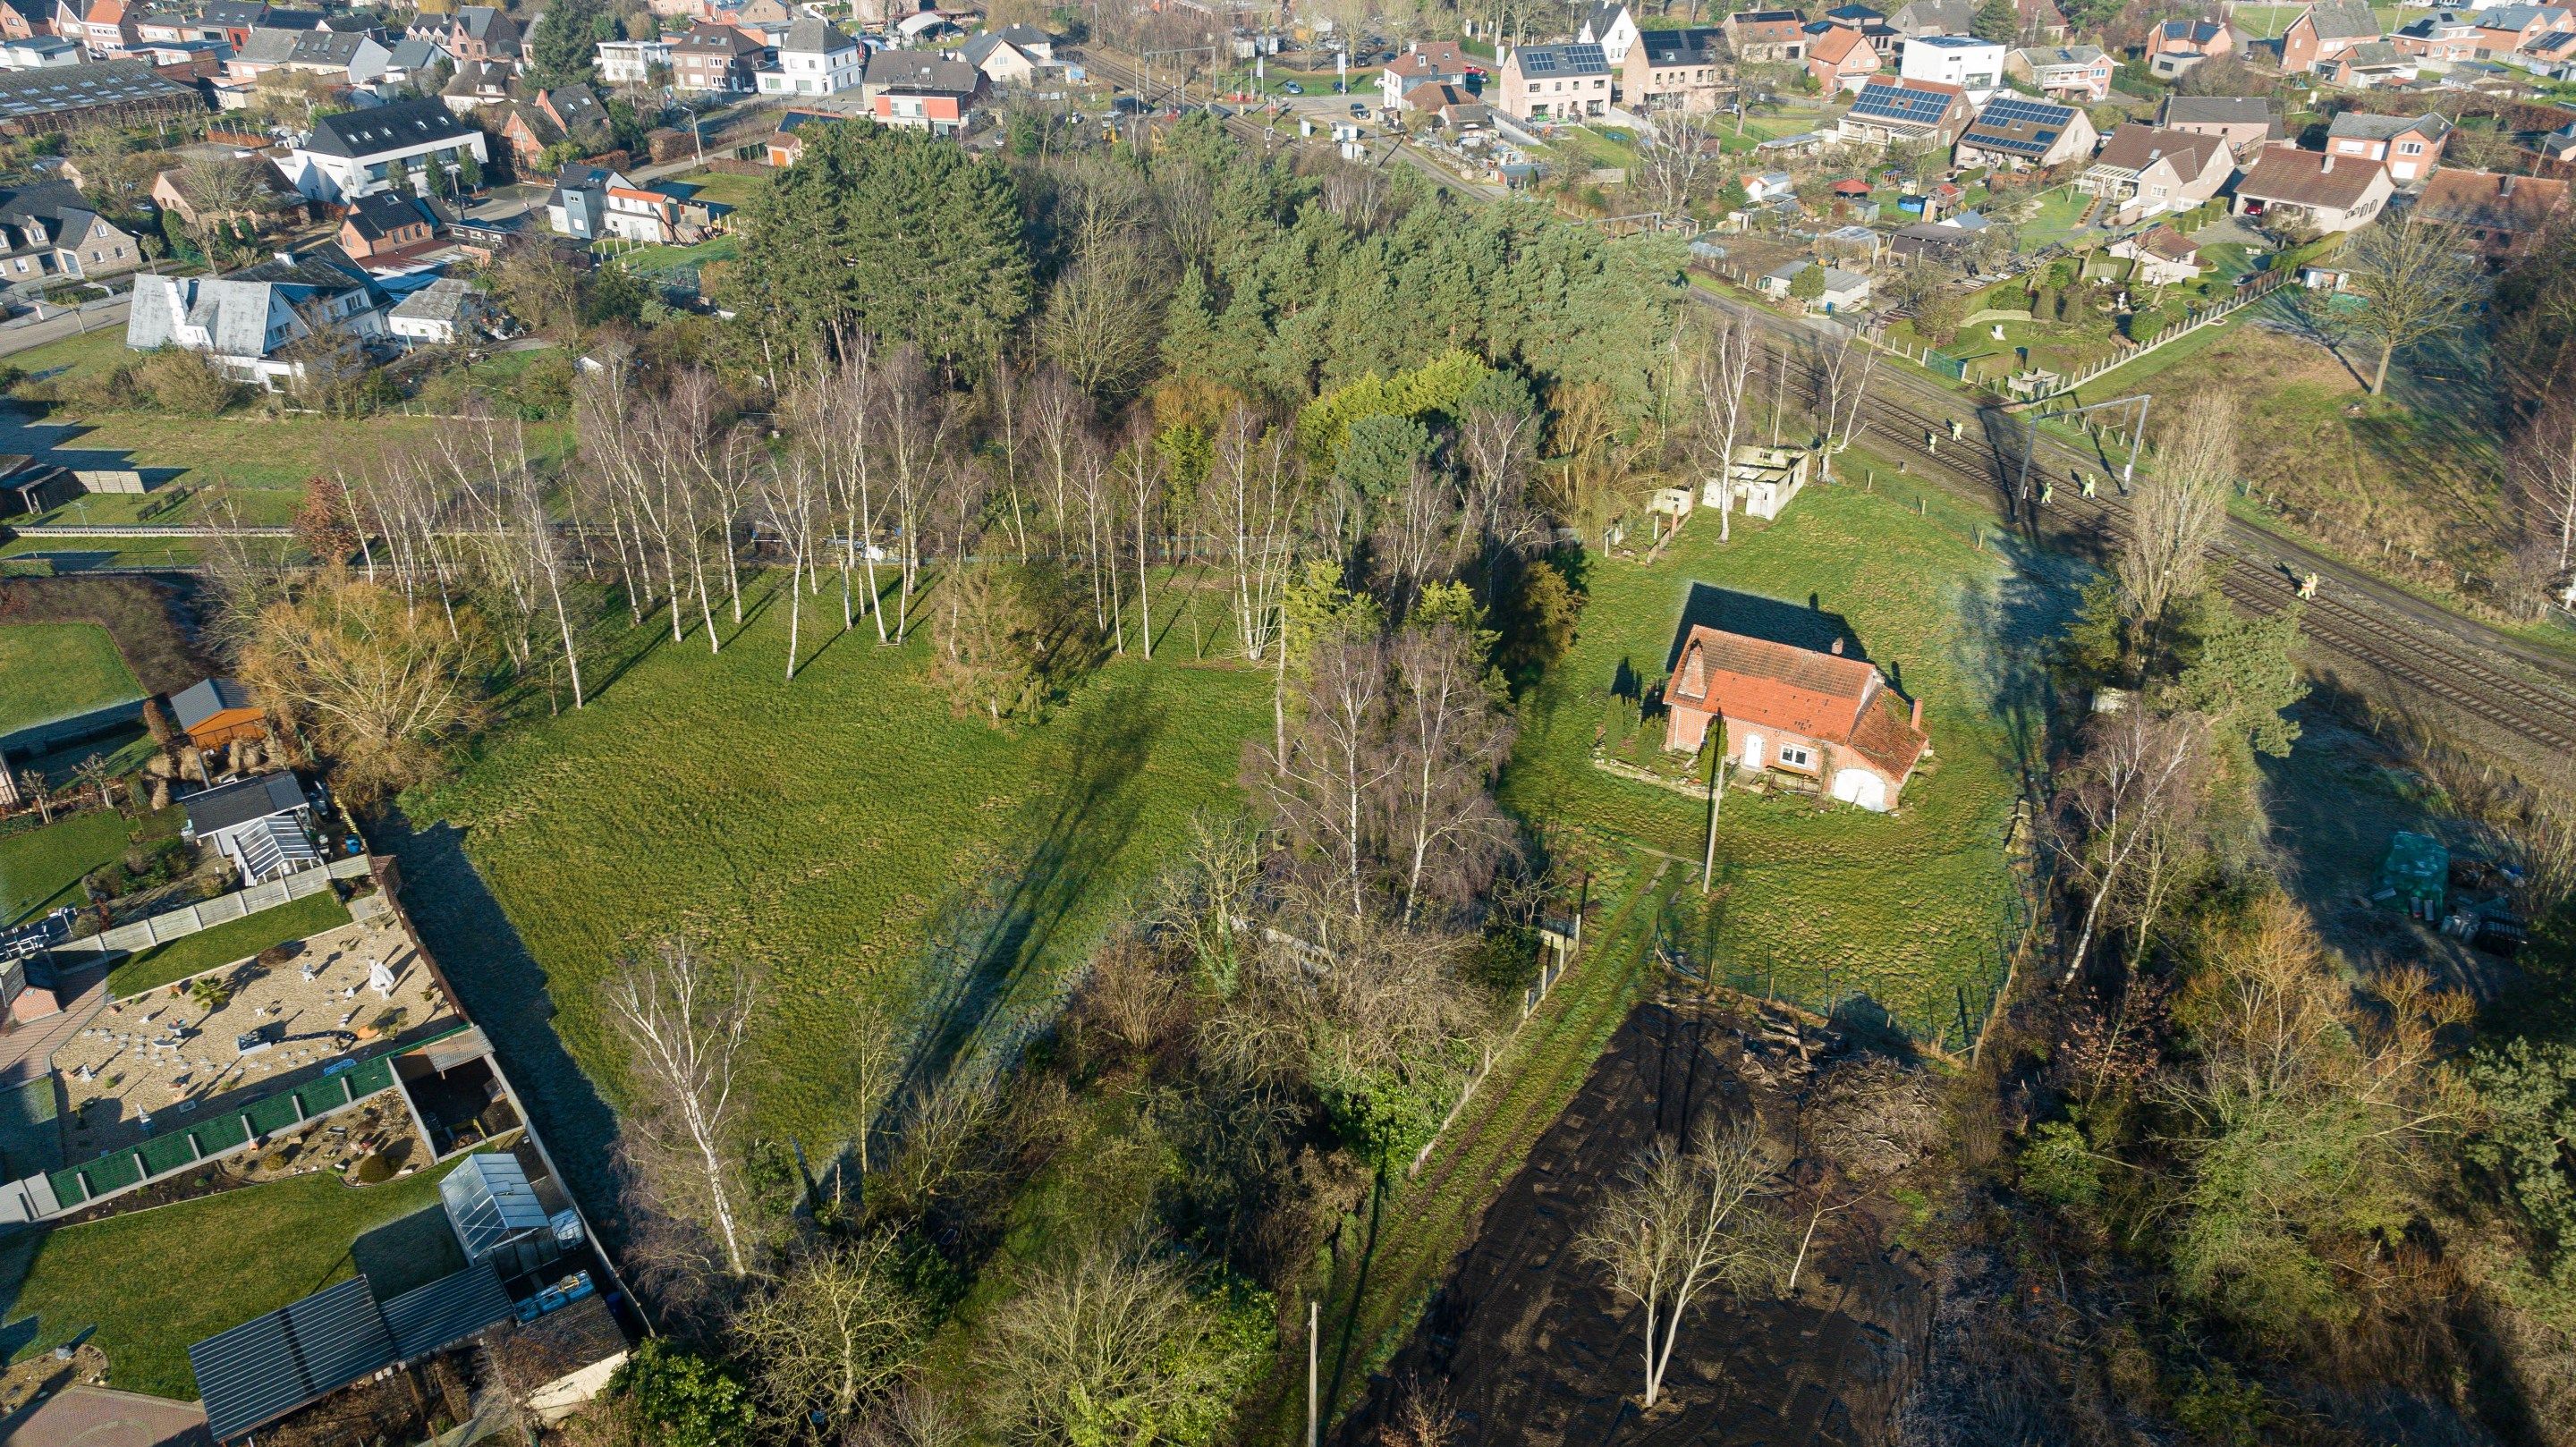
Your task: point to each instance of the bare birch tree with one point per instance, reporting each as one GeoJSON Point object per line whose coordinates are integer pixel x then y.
{"type": "Point", "coordinates": [1843, 369]}
{"type": "Point", "coordinates": [2543, 467]}
{"type": "Point", "coordinates": [790, 500]}
{"type": "Point", "coordinates": [2178, 511]}
{"type": "Point", "coordinates": [2135, 782]}
{"type": "Point", "coordinates": [1324, 787]}
{"type": "Point", "coordinates": [1721, 374]}
{"type": "Point", "coordinates": [914, 418]}
{"type": "Point", "coordinates": [684, 1018]}
{"type": "Point", "coordinates": [830, 1336]}
{"type": "Point", "coordinates": [1251, 507]}
{"type": "Point", "coordinates": [1447, 735]}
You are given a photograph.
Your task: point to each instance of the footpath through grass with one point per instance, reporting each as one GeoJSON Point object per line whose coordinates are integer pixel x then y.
{"type": "Point", "coordinates": [151, 1282]}
{"type": "Point", "coordinates": [54, 670]}
{"type": "Point", "coordinates": [227, 942]}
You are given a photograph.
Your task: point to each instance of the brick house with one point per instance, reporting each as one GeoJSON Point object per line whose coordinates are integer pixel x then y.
{"type": "Point", "coordinates": [2326, 191]}
{"type": "Point", "coordinates": [2409, 146]}
{"type": "Point", "coordinates": [1555, 82]}
{"type": "Point", "coordinates": [1897, 108]}
{"type": "Point", "coordinates": [384, 223]}
{"type": "Point", "coordinates": [1676, 69]}
{"type": "Point", "coordinates": [2080, 73]}
{"type": "Point", "coordinates": [1842, 58]}
{"type": "Point", "coordinates": [2246, 123]}
{"type": "Point", "coordinates": [716, 58]}
{"type": "Point", "coordinates": [1819, 716]}
{"type": "Point", "coordinates": [2146, 172]}
{"type": "Point", "coordinates": [2175, 46]}
{"type": "Point", "coordinates": [2323, 32]}
{"type": "Point", "coordinates": [1767, 37]}
{"type": "Point", "coordinates": [2504, 214]}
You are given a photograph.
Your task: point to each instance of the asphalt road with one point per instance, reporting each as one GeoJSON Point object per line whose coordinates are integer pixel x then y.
{"type": "Point", "coordinates": [63, 323]}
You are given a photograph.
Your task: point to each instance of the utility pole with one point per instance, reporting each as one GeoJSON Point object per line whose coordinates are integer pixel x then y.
{"type": "Point", "coordinates": [1314, 1318]}
{"type": "Point", "coordinates": [1716, 795]}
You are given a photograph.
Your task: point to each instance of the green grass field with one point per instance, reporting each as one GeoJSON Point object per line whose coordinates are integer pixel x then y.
{"type": "Point", "coordinates": [54, 670]}
{"type": "Point", "coordinates": [151, 1282]}
{"type": "Point", "coordinates": [85, 354]}
{"type": "Point", "coordinates": [1819, 905]}
{"type": "Point", "coordinates": [232, 940]}
{"type": "Point", "coordinates": [723, 188]}
{"type": "Point", "coordinates": [42, 867]}
{"type": "Point", "coordinates": [872, 854]}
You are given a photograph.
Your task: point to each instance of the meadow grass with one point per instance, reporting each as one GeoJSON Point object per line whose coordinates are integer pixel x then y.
{"type": "Point", "coordinates": [151, 1282]}
{"type": "Point", "coordinates": [54, 670]}
{"type": "Point", "coordinates": [42, 867]}
{"type": "Point", "coordinates": [232, 940]}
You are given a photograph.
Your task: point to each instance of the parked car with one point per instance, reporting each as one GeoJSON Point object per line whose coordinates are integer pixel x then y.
{"type": "Point", "coordinates": [1359, 109]}
{"type": "Point", "coordinates": [1292, 87]}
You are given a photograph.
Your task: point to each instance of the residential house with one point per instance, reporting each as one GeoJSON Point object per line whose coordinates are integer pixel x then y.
{"type": "Point", "coordinates": [2371, 63]}
{"type": "Point", "coordinates": [387, 222]}
{"type": "Point", "coordinates": [1815, 714]}
{"type": "Point", "coordinates": [814, 59]}
{"type": "Point", "coordinates": [1450, 105]}
{"type": "Point", "coordinates": [2552, 54]}
{"type": "Point", "coordinates": [1767, 37]}
{"type": "Point", "coordinates": [786, 147]}
{"type": "Point", "coordinates": [632, 62]}
{"type": "Point", "coordinates": [715, 59]}
{"type": "Point", "coordinates": [1555, 82]}
{"type": "Point", "coordinates": [343, 57]}
{"type": "Point", "coordinates": [1609, 26]}
{"type": "Point", "coordinates": [2247, 123]}
{"type": "Point", "coordinates": [106, 27]}
{"type": "Point", "coordinates": [1436, 62]}
{"type": "Point", "coordinates": [1975, 66]}
{"type": "Point", "coordinates": [2506, 29]}
{"type": "Point", "coordinates": [2015, 131]}
{"type": "Point", "coordinates": [2164, 256]}
{"type": "Point", "coordinates": [2041, 21]}
{"type": "Point", "coordinates": [2317, 189]}
{"type": "Point", "coordinates": [270, 198]}
{"type": "Point", "coordinates": [1899, 108]}
{"type": "Point", "coordinates": [2323, 32]}
{"type": "Point", "coordinates": [40, 52]}
{"type": "Point", "coordinates": [1925, 18]}
{"type": "Point", "coordinates": [1842, 58]}
{"type": "Point", "coordinates": [2080, 73]}
{"type": "Point", "coordinates": [480, 83]}
{"type": "Point", "coordinates": [1002, 62]}
{"type": "Point", "coordinates": [2175, 46]}
{"type": "Point", "coordinates": [578, 204]}
{"type": "Point", "coordinates": [923, 92]}
{"type": "Point", "coordinates": [441, 314]}
{"type": "Point", "coordinates": [358, 153]}
{"type": "Point", "coordinates": [413, 61]}
{"type": "Point", "coordinates": [1675, 69]}
{"type": "Point", "coordinates": [25, 20]}
{"type": "Point", "coordinates": [2409, 146]}
{"type": "Point", "coordinates": [257, 823]}
{"type": "Point", "coordinates": [1028, 40]}
{"type": "Point", "coordinates": [238, 18]}
{"type": "Point", "coordinates": [2445, 36]}
{"type": "Point", "coordinates": [481, 32]}
{"type": "Point", "coordinates": [51, 231]}
{"type": "Point", "coordinates": [213, 712]}
{"type": "Point", "coordinates": [243, 322]}
{"type": "Point", "coordinates": [1845, 291]}
{"type": "Point", "coordinates": [2145, 172]}
{"type": "Point", "coordinates": [2506, 215]}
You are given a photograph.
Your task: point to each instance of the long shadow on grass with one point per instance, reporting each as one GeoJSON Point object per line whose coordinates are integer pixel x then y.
{"type": "Point", "coordinates": [501, 986]}
{"type": "Point", "coordinates": [986, 939]}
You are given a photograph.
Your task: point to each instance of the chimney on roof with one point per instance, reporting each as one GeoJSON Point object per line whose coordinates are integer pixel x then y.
{"type": "Point", "coordinates": [2504, 184]}
{"type": "Point", "coordinates": [1917, 721]}
{"type": "Point", "coordinates": [1838, 647]}
{"type": "Point", "coordinates": [2328, 166]}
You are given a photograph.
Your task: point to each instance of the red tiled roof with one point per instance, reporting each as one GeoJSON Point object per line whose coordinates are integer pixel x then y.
{"type": "Point", "coordinates": [2491, 202]}
{"type": "Point", "coordinates": [1824, 696]}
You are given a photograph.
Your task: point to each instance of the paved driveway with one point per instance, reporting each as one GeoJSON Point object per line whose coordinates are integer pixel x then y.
{"type": "Point", "coordinates": [98, 1417]}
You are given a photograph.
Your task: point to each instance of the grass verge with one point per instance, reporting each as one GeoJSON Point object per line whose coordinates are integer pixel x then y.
{"type": "Point", "coordinates": [54, 670]}
{"type": "Point", "coordinates": [227, 942]}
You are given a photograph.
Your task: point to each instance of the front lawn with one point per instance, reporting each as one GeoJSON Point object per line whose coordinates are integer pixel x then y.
{"type": "Point", "coordinates": [232, 940]}
{"type": "Point", "coordinates": [149, 1283]}
{"type": "Point", "coordinates": [42, 867]}
{"type": "Point", "coordinates": [55, 670]}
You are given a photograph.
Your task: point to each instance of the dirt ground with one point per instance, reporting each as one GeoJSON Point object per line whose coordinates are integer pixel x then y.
{"type": "Point", "coordinates": [1524, 1345]}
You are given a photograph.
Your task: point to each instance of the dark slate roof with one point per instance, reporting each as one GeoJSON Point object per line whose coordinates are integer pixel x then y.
{"type": "Point", "coordinates": [1698, 45]}
{"type": "Point", "coordinates": [233, 12]}
{"type": "Point", "coordinates": [386, 128]}
{"type": "Point", "coordinates": [271, 1365]}
{"type": "Point", "coordinates": [2365, 126]}
{"type": "Point", "coordinates": [446, 1311]}
{"type": "Point", "coordinates": [2221, 110]}
{"type": "Point", "coordinates": [916, 70]}
{"type": "Point", "coordinates": [377, 216]}
{"type": "Point", "coordinates": [2342, 20]}
{"type": "Point", "coordinates": [206, 698]}
{"type": "Point", "coordinates": [1024, 36]}
{"type": "Point", "coordinates": [1536, 60]}
{"type": "Point", "coordinates": [226, 806]}
{"type": "Point", "coordinates": [26, 93]}
{"type": "Point", "coordinates": [811, 34]}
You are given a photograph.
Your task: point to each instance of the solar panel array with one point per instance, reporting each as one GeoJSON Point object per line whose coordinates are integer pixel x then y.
{"type": "Point", "coordinates": [1903, 105]}
{"type": "Point", "coordinates": [1564, 59]}
{"type": "Point", "coordinates": [1995, 128]}
{"type": "Point", "coordinates": [2005, 109]}
{"type": "Point", "coordinates": [36, 92]}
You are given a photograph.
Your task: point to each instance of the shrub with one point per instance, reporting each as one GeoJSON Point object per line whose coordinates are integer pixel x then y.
{"type": "Point", "coordinates": [184, 383]}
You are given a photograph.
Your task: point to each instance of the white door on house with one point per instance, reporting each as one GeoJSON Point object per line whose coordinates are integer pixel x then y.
{"type": "Point", "coordinates": [1860, 786]}
{"type": "Point", "coordinates": [1750, 756]}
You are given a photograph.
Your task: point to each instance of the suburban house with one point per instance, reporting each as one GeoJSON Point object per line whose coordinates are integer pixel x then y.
{"type": "Point", "coordinates": [105, 26]}
{"type": "Point", "coordinates": [2323, 32]}
{"type": "Point", "coordinates": [1821, 716]}
{"type": "Point", "coordinates": [1904, 109]}
{"type": "Point", "coordinates": [2079, 73]}
{"type": "Point", "coordinates": [413, 60]}
{"type": "Point", "coordinates": [2505, 30]}
{"type": "Point", "coordinates": [481, 32]}
{"type": "Point", "coordinates": [1760, 481]}
{"type": "Point", "coordinates": [257, 823]}
{"type": "Point", "coordinates": [480, 83]}
{"type": "Point", "coordinates": [815, 58]}
{"type": "Point", "coordinates": [39, 52]}
{"type": "Point", "coordinates": [1845, 291]}
{"type": "Point", "coordinates": [578, 205]}
{"type": "Point", "coordinates": [1925, 18]}
{"type": "Point", "coordinates": [632, 62]}
{"type": "Point", "coordinates": [51, 231]}
{"type": "Point", "coordinates": [1675, 69]}
{"type": "Point", "coordinates": [2371, 63]}
{"type": "Point", "coordinates": [1003, 62]}
{"type": "Point", "coordinates": [2446, 36]}
{"type": "Point", "coordinates": [243, 321]}
{"type": "Point", "coordinates": [2144, 171]}
{"type": "Point", "coordinates": [2247, 123]}
{"type": "Point", "coordinates": [342, 57]}
{"type": "Point", "coordinates": [24, 19]}
{"type": "Point", "coordinates": [2318, 188]}
{"type": "Point", "coordinates": [2175, 46]}
{"type": "Point", "coordinates": [1450, 105]}
{"type": "Point", "coordinates": [213, 712]}
{"type": "Point", "coordinates": [442, 313]}
{"type": "Point", "coordinates": [786, 147]}
{"type": "Point", "coordinates": [1610, 27]}
{"type": "Point", "coordinates": [1842, 58]}
{"type": "Point", "coordinates": [357, 153]}
{"type": "Point", "coordinates": [592, 201]}
{"type": "Point", "coordinates": [2016, 131]}
{"type": "Point", "coordinates": [1435, 62]}
{"type": "Point", "coordinates": [1555, 82]}
{"type": "Point", "coordinates": [2164, 256]}
{"type": "Point", "coordinates": [2560, 144]}
{"type": "Point", "coordinates": [716, 59]}
{"type": "Point", "coordinates": [568, 113]}
{"type": "Point", "coordinates": [387, 222]}
{"type": "Point", "coordinates": [174, 191]}
{"type": "Point", "coordinates": [1766, 37]}
{"type": "Point", "coordinates": [2504, 214]}
{"type": "Point", "coordinates": [923, 91]}
{"type": "Point", "coordinates": [1973, 65]}
{"type": "Point", "coordinates": [2409, 146]}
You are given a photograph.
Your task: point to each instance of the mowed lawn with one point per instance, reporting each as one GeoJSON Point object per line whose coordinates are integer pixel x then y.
{"type": "Point", "coordinates": [151, 1282]}
{"type": "Point", "coordinates": [42, 867]}
{"type": "Point", "coordinates": [1908, 909]}
{"type": "Point", "coordinates": [54, 670]}
{"type": "Point", "coordinates": [226, 943]}
{"type": "Point", "coordinates": [872, 855]}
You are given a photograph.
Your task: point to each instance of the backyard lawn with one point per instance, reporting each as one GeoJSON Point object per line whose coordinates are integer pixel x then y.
{"type": "Point", "coordinates": [42, 867]}
{"type": "Point", "coordinates": [723, 188]}
{"type": "Point", "coordinates": [232, 940]}
{"type": "Point", "coordinates": [244, 1252]}
{"type": "Point", "coordinates": [1815, 905]}
{"type": "Point", "coordinates": [55, 670]}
